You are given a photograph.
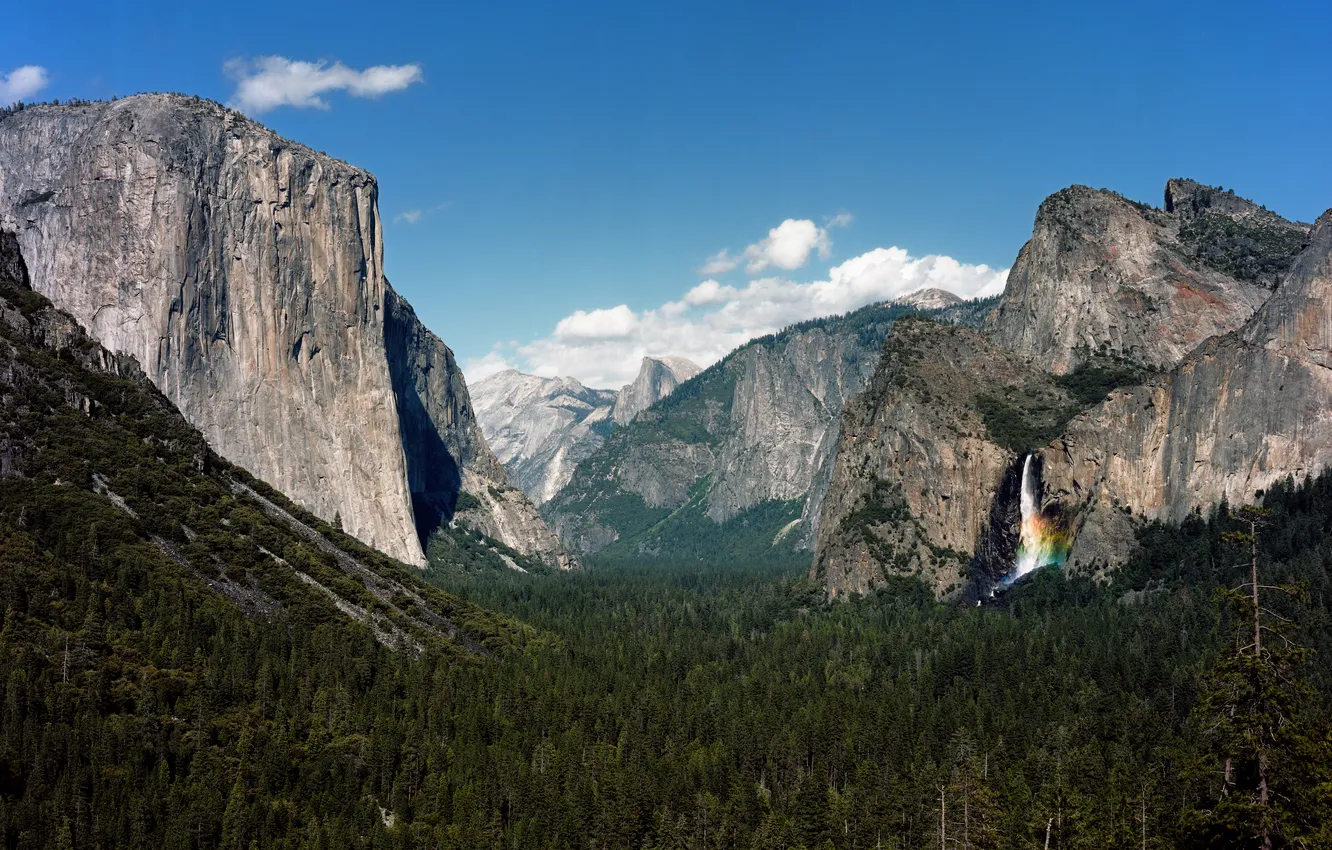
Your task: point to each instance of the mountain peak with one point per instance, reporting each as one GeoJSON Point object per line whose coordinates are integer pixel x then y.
{"type": "Point", "coordinates": [658, 376]}
{"type": "Point", "coordinates": [1191, 200]}
{"type": "Point", "coordinates": [929, 299]}
{"type": "Point", "coordinates": [1105, 275]}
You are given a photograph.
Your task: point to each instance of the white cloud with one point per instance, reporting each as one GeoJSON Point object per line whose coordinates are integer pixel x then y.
{"type": "Point", "coordinates": [479, 368]}
{"type": "Point", "coordinates": [602, 348]}
{"type": "Point", "coordinates": [719, 263]}
{"type": "Point", "coordinates": [598, 325]}
{"type": "Point", "coordinates": [709, 292]}
{"type": "Point", "coordinates": [409, 216]}
{"type": "Point", "coordinates": [22, 82]}
{"type": "Point", "coordinates": [272, 81]}
{"type": "Point", "coordinates": [788, 246]}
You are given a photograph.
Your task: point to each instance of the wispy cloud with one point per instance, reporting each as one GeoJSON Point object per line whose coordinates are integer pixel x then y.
{"type": "Point", "coordinates": [22, 82]}
{"type": "Point", "coordinates": [414, 215]}
{"type": "Point", "coordinates": [719, 263]}
{"type": "Point", "coordinates": [480, 368]}
{"type": "Point", "coordinates": [603, 347]}
{"type": "Point", "coordinates": [268, 82]}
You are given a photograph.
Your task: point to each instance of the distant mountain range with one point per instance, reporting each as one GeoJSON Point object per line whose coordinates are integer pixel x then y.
{"type": "Point", "coordinates": [734, 463]}
{"type": "Point", "coordinates": [542, 428]}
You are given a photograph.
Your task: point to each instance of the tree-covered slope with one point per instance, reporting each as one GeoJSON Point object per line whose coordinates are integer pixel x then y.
{"type": "Point", "coordinates": [187, 658]}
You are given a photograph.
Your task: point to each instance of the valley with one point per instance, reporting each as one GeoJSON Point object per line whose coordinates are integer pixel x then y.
{"type": "Point", "coordinates": [929, 572]}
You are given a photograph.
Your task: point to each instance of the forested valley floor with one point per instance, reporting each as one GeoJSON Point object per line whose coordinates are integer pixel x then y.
{"type": "Point", "coordinates": [660, 708]}
{"type": "Point", "coordinates": [184, 665]}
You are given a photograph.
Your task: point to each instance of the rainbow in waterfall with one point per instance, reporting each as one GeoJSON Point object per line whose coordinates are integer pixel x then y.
{"type": "Point", "coordinates": [1043, 538]}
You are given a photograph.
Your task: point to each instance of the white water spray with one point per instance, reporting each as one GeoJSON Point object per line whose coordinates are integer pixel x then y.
{"type": "Point", "coordinates": [1043, 538]}
{"type": "Point", "coordinates": [1029, 544]}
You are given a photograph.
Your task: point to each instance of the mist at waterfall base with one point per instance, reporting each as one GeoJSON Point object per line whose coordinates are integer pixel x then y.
{"type": "Point", "coordinates": [1024, 533]}
{"type": "Point", "coordinates": [1043, 539]}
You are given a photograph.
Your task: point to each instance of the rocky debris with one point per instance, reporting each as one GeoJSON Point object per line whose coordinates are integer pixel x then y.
{"type": "Point", "coordinates": [657, 378]}
{"type": "Point", "coordinates": [1105, 275]}
{"type": "Point", "coordinates": [244, 273]}
{"type": "Point", "coordinates": [541, 428]}
{"type": "Point", "coordinates": [505, 514]}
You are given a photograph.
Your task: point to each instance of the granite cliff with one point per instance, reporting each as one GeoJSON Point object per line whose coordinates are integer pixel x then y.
{"type": "Point", "coordinates": [244, 273]}
{"type": "Point", "coordinates": [1243, 411]}
{"type": "Point", "coordinates": [1155, 361]}
{"type": "Point", "coordinates": [922, 453]}
{"type": "Point", "coordinates": [101, 470]}
{"type": "Point", "coordinates": [1103, 275]}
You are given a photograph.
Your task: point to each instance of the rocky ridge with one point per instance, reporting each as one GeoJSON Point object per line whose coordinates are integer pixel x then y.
{"type": "Point", "coordinates": [1240, 413]}
{"type": "Point", "coordinates": [91, 450]}
{"type": "Point", "coordinates": [1109, 276]}
{"type": "Point", "coordinates": [245, 274]}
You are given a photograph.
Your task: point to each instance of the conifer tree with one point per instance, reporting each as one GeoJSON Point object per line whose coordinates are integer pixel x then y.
{"type": "Point", "coordinates": [1252, 713]}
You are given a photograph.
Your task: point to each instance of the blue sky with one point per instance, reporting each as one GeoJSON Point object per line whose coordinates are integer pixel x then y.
{"type": "Point", "coordinates": [575, 166]}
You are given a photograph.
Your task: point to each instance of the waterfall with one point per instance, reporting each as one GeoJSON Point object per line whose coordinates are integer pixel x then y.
{"type": "Point", "coordinates": [1042, 540]}
{"type": "Point", "coordinates": [1029, 541]}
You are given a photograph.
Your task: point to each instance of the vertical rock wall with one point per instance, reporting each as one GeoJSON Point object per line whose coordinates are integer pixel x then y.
{"type": "Point", "coordinates": [245, 274]}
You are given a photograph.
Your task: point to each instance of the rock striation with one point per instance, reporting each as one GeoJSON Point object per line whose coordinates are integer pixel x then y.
{"type": "Point", "coordinates": [447, 454]}
{"type": "Point", "coordinates": [541, 428]}
{"type": "Point", "coordinates": [657, 378]}
{"type": "Point", "coordinates": [245, 274]}
{"type": "Point", "coordinates": [1105, 275]}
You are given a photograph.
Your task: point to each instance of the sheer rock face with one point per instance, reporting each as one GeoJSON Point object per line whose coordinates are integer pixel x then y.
{"type": "Point", "coordinates": [1240, 413]}
{"type": "Point", "coordinates": [1103, 274]}
{"type": "Point", "coordinates": [783, 422]}
{"type": "Point", "coordinates": [657, 378]}
{"type": "Point", "coordinates": [245, 273]}
{"type": "Point", "coordinates": [916, 471]}
{"type": "Point", "coordinates": [541, 428]}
